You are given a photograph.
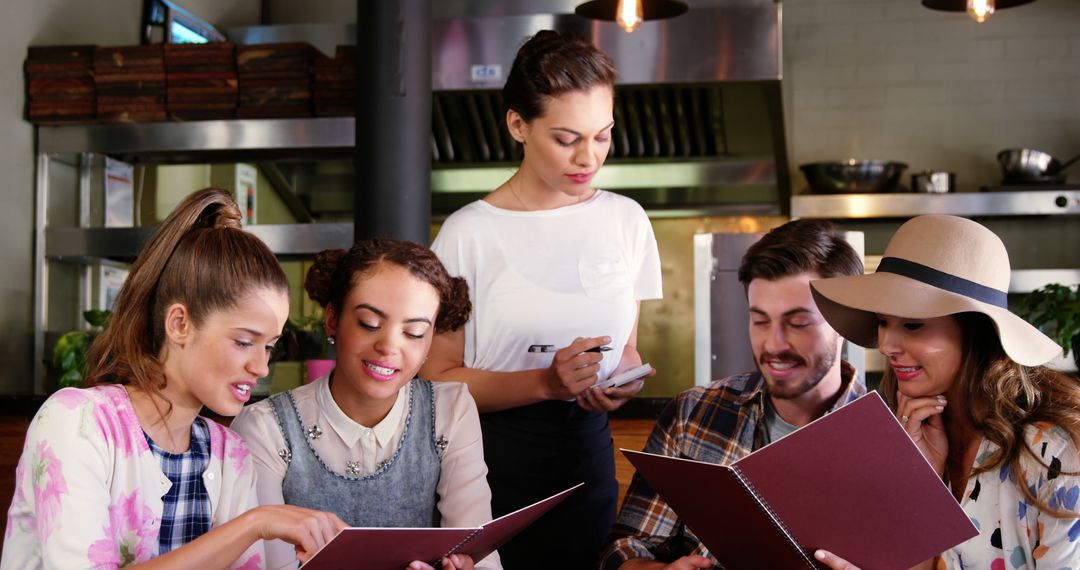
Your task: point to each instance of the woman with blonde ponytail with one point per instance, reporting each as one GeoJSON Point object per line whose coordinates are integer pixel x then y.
{"type": "Point", "coordinates": [125, 472]}
{"type": "Point", "coordinates": [372, 442]}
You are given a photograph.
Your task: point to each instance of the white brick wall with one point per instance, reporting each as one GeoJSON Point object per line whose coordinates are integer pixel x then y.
{"type": "Point", "coordinates": [889, 79]}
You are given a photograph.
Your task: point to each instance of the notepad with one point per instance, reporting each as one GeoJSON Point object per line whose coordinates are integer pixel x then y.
{"type": "Point", "coordinates": [395, 548]}
{"type": "Point", "coordinates": [851, 482]}
{"type": "Point", "coordinates": [626, 376]}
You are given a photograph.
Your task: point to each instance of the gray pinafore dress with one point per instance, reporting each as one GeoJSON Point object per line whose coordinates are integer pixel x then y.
{"type": "Point", "coordinates": [400, 493]}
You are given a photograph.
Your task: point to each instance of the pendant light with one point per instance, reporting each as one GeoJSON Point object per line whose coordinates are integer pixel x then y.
{"type": "Point", "coordinates": [979, 10]}
{"type": "Point", "coordinates": [630, 13]}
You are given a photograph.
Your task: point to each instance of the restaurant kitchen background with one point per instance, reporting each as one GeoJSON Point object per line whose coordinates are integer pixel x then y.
{"type": "Point", "coordinates": [886, 80]}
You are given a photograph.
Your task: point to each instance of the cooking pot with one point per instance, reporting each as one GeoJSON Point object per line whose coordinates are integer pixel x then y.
{"type": "Point", "coordinates": [1028, 164]}
{"type": "Point", "coordinates": [933, 182]}
{"type": "Point", "coordinates": [852, 176]}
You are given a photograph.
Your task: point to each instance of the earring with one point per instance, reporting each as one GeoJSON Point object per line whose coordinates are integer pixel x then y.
{"type": "Point", "coordinates": [330, 340]}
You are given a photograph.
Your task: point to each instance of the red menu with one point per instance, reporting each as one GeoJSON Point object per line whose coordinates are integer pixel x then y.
{"type": "Point", "coordinates": [395, 548]}
{"type": "Point", "coordinates": [851, 482]}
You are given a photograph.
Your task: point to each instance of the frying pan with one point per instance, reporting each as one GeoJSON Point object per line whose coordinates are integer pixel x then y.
{"type": "Point", "coordinates": [1026, 164]}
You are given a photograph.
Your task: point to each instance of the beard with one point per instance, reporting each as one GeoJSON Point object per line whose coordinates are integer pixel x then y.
{"type": "Point", "coordinates": [822, 363]}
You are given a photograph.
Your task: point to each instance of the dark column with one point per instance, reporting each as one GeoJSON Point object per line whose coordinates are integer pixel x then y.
{"type": "Point", "coordinates": [393, 120]}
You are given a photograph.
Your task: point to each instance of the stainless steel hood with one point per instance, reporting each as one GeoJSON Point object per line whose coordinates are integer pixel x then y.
{"type": "Point", "coordinates": [699, 122]}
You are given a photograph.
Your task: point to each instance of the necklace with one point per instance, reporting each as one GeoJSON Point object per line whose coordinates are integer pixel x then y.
{"type": "Point", "coordinates": [510, 185]}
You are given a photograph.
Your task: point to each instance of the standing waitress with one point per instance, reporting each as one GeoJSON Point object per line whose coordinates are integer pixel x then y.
{"type": "Point", "coordinates": [556, 271]}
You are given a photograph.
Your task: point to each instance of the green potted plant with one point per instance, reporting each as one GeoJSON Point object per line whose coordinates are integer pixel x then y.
{"type": "Point", "coordinates": [69, 353]}
{"type": "Point", "coordinates": [1055, 310]}
{"type": "Point", "coordinates": [304, 339]}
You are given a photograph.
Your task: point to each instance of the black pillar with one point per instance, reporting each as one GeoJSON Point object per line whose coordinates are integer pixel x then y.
{"type": "Point", "coordinates": [393, 120]}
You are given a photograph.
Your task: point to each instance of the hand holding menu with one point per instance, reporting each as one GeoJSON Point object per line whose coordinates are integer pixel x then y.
{"type": "Point", "coordinates": [851, 482]}
{"type": "Point", "coordinates": [395, 548]}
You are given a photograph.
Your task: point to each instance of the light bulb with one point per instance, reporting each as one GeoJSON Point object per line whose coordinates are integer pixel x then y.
{"type": "Point", "coordinates": [628, 14]}
{"type": "Point", "coordinates": [980, 10]}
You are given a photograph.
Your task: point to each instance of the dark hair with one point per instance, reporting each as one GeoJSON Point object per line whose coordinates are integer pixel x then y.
{"type": "Point", "coordinates": [796, 247]}
{"type": "Point", "coordinates": [199, 257]}
{"type": "Point", "coordinates": [336, 271]}
{"type": "Point", "coordinates": [550, 64]}
{"type": "Point", "coordinates": [1000, 398]}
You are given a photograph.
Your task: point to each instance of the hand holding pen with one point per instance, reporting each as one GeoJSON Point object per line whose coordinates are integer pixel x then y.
{"type": "Point", "coordinates": [574, 368]}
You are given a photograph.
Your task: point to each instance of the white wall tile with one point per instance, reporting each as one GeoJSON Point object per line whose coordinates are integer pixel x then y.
{"type": "Point", "coordinates": [1033, 48]}
{"type": "Point", "coordinates": [916, 94]}
{"type": "Point", "coordinates": [855, 54]}
{"type": "Point", "coordinates": [856, 12]}
{"type": "Point", "coordinates": [825, 34]}
{"type": "Point", "coordinates": [857, 97]}
{"type": "Point", "coordinates": [952, 71]}
{"type": "Point", "coordinates": [934, 89]}
{"type": "Point", "coordinates": [885, 73]}
{"type": "Point", "coordinates": [887, 32]}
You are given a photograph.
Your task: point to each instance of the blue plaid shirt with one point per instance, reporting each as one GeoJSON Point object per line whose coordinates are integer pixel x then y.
{"type": "Point", "coordinates": [186, 515]}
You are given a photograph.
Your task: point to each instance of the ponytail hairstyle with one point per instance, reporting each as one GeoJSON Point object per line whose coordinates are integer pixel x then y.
{"type": "Point", "coordinates": [551, 64]}
{"type": "Point", "coordinates": [198, 257]}
{"type": "Point", "coordinates": [336, 271]}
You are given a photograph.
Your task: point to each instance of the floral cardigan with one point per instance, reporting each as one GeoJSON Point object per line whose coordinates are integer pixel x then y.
{"type": "Point", "coordinates": [88, 490]}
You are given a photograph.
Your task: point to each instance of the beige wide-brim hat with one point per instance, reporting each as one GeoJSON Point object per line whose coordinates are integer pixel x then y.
{"type": "Point", "coordinates": [934, 266]}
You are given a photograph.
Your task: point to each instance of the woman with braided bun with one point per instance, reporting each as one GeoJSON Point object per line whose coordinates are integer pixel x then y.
{"type": "Point", "coordinates": [371, 441]}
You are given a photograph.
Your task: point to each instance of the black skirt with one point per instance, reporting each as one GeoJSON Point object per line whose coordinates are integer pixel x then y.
{"type": "Point", "coordinates": [535, 451]}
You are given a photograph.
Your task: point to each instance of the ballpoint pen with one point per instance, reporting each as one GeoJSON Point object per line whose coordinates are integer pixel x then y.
{"type": "Point", "coordinates": [551, 348]}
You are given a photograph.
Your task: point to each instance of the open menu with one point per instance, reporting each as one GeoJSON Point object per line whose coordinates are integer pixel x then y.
{"type": "Point", "coordinates": [395, 548]}
{"type": "Point", "coordinates": [851, 482]}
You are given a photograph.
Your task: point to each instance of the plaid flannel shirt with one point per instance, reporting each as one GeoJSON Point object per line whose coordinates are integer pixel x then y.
{"type": "Point", "coordinates": [186, 512]}
{"type": "Point", "coordinates": [719, 423]}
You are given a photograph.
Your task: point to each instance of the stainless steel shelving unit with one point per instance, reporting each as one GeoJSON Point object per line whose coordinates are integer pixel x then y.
{"type": "Point", "coordinates": [904, 205]}
{"type": "Point", "coordinates": [750, 186]}
{"type": "Point", "coordinates": [892, 208]}
{"type": "Point", "coordinates": [175, 142]}
{"type": "Point", "coordinates": [969, 204]}
{"type": "Point", "coordinates": [184, 138]}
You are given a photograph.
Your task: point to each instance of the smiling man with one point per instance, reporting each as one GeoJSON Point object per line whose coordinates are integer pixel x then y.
{"type": "Point", "coordinates": [799, 378]}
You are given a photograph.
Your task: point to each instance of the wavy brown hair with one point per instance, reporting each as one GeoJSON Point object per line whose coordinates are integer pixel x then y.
{"type": "Point", "coordinates": [797, 247]}
{"type": "Point", "coordinates": [198, 257]}
{"type": "Point", "coordinates": [336, 271]}
{"type": "Point", "coordinates": [1003, 397]}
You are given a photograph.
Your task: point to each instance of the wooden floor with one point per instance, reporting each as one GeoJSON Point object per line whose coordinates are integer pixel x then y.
{"type": "Point", "coordinates": [630, 434]}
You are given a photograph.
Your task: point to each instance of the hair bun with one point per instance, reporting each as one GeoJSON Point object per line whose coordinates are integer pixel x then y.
{"type": "Point", "coordinates": [220, 210]}
{"type": "Point", "coordinates": [319, 276]}
{"type": "Point", "coordinates": [456, 307]}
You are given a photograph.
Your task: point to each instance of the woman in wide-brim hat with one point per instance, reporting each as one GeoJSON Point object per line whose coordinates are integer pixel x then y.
{"type": "Point", "coordinates": [967, 380]}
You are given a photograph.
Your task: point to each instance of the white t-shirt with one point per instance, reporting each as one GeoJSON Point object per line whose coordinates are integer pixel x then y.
{"type": "Point", "coordinates": [550, 276]}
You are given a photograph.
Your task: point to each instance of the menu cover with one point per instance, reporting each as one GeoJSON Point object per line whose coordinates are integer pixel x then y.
{"type": "Point", "coordinates": [851, 482]}
{"type": "Point", "coordinates": [395, 548]}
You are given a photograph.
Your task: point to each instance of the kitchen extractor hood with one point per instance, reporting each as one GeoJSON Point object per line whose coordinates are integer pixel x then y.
{"type": "Point", "coordinates": [698, 113]}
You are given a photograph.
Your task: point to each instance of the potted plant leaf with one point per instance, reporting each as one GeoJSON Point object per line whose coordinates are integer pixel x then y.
{"type": "Point", "coordinates": [1055, 310]}
{"type": "Point", "coordinates": [69, 353]}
